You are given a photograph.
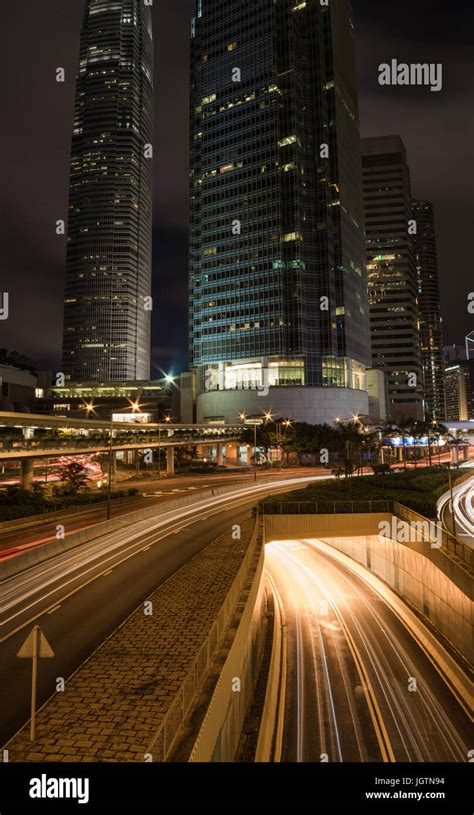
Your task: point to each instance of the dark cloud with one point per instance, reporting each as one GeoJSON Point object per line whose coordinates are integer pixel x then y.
{"type": "Point", "coordinates": [35, 139]}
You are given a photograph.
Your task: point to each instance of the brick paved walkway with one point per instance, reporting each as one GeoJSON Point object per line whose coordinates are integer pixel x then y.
{"type": "Point", "coordinates": [114, 703]}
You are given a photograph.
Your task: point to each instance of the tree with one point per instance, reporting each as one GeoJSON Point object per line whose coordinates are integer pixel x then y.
{"type": "Point", "coordinates": [73, 477]}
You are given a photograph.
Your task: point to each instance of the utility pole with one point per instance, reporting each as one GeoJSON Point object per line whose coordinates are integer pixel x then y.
{"type": "Point", "coordinates": [109, 484]}
{"type": "Point", "coordinates": [451, 502]}
{"type": "Point", "coordinates": [255, 451]}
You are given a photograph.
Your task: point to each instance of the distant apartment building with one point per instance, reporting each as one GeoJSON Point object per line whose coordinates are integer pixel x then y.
{"type": "Point", "coordinates": [459, 384]}
{"type": "Point", "coordinates": [431, 333]}
{"type": "Point", "coordinates": [392, 273]}
{"type": "Point", "coordinates": [17, 389]}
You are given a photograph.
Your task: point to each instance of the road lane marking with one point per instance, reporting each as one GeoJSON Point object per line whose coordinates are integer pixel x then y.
{"type": "Point", "coordinates": [374, 710]}
{"type": "Point", "coordinates": [221, 506]}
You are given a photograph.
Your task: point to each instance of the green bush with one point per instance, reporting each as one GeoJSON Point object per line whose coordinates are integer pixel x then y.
{"type": "Point", "coordinates": [417, 490]}
{"type": "Point", "coordinates": [16, 502]}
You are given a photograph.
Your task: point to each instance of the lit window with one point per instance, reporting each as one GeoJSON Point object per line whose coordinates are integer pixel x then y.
{"type": "Point", "coordinates": [292, 236]}
{"type": "Point", "coordinates": [287, 140]}
{"type": "Point", "coordinates": [232, 46]}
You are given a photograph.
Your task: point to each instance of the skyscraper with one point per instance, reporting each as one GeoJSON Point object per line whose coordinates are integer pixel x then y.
{"type": "Point", "coordinates": [108, 264]}
{"type": "Point", "coordinates": [278, 288]}
{"type": "Point", "coordinates": [431, 334]}
{"type": "Point", "coordinates": [392, 276]}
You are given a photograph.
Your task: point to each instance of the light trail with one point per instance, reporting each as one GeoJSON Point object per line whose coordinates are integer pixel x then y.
{"type": "Point", "coordinates": [421, 726]}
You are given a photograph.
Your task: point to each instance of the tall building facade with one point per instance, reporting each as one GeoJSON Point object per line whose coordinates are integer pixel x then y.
{"type": "Point", "coordinates": [459, 384]}
{"type": "Point", "coordinates": [108, 264]}
{"type": "Point", "coordinates": [278, 288]}
{"type": "Point", "coordinates": [431, 333]}
{"type": "Point", "coordinates": [392, 274]}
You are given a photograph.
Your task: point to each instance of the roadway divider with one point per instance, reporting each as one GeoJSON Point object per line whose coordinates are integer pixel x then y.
{"type": "Point", "coordinates": [270, 738]}
{"type": "Point", "coordinates": [42, 552]}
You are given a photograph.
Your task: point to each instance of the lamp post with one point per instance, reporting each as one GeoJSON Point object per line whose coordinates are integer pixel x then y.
{"type": "Point", "coordinates": [135, 407]}
{"type": "Point", "coordinates": [451, 502]}
{"type": "Point", "coordinates": [109, 479]}
{"type": "Point", "coordinates": [254, 422]}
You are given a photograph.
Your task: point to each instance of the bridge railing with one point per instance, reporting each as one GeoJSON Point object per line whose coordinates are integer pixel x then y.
{"type": "Point", "coordinates": [83, 443]}
{"type": "Point", "coordinates": [450, 546]}
{"type": "Point", "coordinates": [324, 507]}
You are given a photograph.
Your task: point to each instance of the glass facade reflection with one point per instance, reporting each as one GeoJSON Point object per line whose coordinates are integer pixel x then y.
{"type": "Point", "coordinates": [278, 286]}
{"type": "Point", "coordinates": [431, 332]}
{"type": "Point", "coordinates": [108, 265]}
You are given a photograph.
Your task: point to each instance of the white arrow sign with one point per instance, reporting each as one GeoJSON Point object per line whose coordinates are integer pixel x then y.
{"type": "Point", "coordinates": [35, 646]}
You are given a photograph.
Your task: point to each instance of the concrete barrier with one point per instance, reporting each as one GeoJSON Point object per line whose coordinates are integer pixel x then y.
{"type": "Point", "coordinates": [220, 732]}
{"type": "Point", "coordinates": [43, 552]}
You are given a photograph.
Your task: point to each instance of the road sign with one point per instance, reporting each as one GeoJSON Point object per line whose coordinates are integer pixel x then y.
{"type": "Point", "coordinates": [35, 646]}
{"type": "Point", "coordinates": [43, 649]}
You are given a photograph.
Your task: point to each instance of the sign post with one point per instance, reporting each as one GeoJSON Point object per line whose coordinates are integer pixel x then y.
{"type": "Point", "coordinates": [36, 645]}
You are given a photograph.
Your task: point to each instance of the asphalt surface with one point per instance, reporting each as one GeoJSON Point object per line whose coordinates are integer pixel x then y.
{"type": "Point", "coordinates": [463, 506]}
{"type": "Point", "coordinates": [349, 665]}
{"type": "Point", "coordinates": [82, 596]}
{"type": "Point", "coordinates": [27, 533]}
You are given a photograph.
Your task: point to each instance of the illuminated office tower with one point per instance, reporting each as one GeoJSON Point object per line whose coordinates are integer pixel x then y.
{"type": "Point", "coordinates": [431, 333]}
{"type": "Point", "coordinates": [392, 275]}
{"type": "Point", "coordinates": [108, 265]}
{"type": "Point", "coordinates": [278, 290]}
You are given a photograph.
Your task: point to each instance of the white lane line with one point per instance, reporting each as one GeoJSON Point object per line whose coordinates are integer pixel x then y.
{"type": "Point", "coordinates": [217, 506]}
{"type": "Point", "coordinates": [54, 609]}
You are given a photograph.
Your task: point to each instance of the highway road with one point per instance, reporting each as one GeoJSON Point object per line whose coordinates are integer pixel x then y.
{"type": "Point", "coordinates": [463, 503]}
{"type": "Point", "coordinates": [81, 596]}
{"type": "Point", "coordinates": [345, 693]}
{"type": "Point", "coordinates": [26, 533]}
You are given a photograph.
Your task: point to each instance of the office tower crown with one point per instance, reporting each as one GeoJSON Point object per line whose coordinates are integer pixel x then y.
{"type": "Point", "coordinates": [108, 264]}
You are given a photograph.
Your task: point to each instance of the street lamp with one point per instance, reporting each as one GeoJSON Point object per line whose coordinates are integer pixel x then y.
{"type": "Point", "coordinates": [243, 418]}
{"type": "Point", "coordinates": [135, 407]}
{"type": "Point", "coordinates": [109, 479]}
{"type": "Point", "coordinates": [451, 502]}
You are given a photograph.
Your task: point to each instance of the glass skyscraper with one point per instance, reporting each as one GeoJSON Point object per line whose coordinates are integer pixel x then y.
{"type": "Point", "coordinates": [278, 287]}
{"type": "Point", "coordinates": [108, 265]}
{"type": "Point", "coordinates": [431, 333]}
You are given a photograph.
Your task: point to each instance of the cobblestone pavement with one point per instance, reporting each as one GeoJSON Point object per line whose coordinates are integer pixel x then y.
{"type": "Point", "coordinates": [114, 703]}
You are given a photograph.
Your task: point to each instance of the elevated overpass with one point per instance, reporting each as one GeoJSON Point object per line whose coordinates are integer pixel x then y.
{"type": "Point", "coordinates": [35, 437]}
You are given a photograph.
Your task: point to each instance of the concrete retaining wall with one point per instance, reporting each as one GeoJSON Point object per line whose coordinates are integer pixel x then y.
{"type": "Point", "coordinates": [220, 732]}
{"type": "Point", "coordinates": [425, 577]}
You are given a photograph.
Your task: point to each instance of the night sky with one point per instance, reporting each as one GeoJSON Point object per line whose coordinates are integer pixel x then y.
{"type": "Point", "coordinates": [40, 35]}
